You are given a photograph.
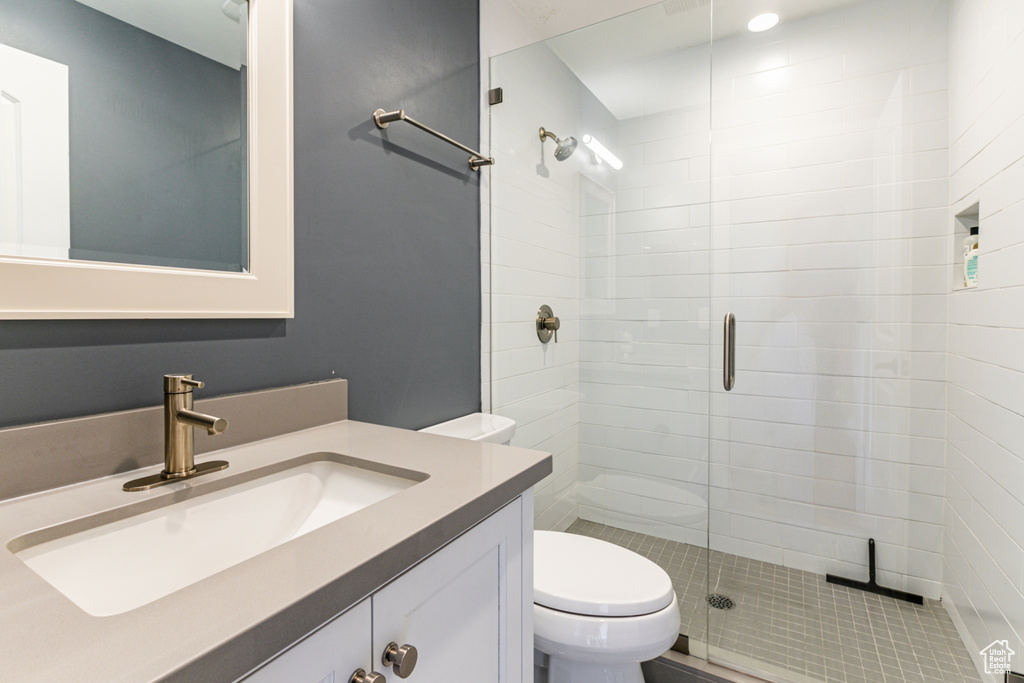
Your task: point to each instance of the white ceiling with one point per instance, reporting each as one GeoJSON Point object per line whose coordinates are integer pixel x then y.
{"type": "Point", "coordinates": [197, 25]}
{"type": "Point", "coordinates": [618, 59]}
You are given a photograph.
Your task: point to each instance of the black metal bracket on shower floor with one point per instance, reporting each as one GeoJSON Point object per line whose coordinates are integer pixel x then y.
{"type": "Point", "coordinates": [871, 586]}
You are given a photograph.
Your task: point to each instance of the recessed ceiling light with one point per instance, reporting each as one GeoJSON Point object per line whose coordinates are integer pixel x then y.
{"type": "Point", "coordinates": [763, 22]}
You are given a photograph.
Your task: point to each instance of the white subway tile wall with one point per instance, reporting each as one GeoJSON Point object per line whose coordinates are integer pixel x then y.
{"type": "Point", "coordinates": [983, 550]}
{"type": "Point", "coordinates": [502, 28]}
{"type": "Point", "coordinates": [534, 260]}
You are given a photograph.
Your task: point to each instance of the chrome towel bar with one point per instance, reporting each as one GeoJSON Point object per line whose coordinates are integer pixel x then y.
{"type": "Point", "coordinates": [383, 118]}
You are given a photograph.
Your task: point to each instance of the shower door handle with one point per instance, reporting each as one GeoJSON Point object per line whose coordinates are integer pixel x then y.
{"type": "Point", "coordinates": [729, 360]}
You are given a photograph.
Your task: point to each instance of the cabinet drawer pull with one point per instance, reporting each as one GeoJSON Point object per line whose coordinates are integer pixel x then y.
{"type": "Point", "coordinates": [402, 660]}
{"type": "Point", "coordinates": [360, 676]}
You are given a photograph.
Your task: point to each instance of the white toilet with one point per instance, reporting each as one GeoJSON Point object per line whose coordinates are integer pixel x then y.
{"type": "Point", "coordinates": [477, 427]}
{"type": "Point", "coordinates": [599, 609]}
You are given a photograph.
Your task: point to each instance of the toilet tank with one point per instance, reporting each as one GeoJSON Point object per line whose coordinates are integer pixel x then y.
{"type": "Point", "coordinates": [477, 427]}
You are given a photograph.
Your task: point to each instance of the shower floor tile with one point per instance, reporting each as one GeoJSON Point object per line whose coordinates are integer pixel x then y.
{"type": "Point", "coordinates": [794, 621]}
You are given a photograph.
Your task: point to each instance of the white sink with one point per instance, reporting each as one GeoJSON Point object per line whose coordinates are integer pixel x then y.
{"type": "Point", "coordinates": [117, 567]}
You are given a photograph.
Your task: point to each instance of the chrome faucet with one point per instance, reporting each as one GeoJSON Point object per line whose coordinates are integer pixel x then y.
{"type": "Point", "coordinates": [179, 420]}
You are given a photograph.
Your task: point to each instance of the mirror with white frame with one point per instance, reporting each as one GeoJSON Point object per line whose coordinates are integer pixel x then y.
{"type": "Point", "coordinates": [145, 159]}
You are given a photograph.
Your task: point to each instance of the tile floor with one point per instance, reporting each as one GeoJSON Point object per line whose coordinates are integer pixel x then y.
{"type": "Point", "coordinates": [796, 623]}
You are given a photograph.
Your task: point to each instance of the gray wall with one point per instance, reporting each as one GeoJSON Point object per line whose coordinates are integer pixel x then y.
{"type": "Point", "coordinates": [386, 245]}
{"type": "Point", "coordinates": [151, 123]}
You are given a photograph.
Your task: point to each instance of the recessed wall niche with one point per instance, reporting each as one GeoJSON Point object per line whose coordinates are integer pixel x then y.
{"type": "Point", "coordinates": [962, 224]}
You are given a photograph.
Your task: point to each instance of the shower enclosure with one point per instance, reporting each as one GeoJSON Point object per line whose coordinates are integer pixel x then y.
{"type": "Point", "coordinates": [796, 178]}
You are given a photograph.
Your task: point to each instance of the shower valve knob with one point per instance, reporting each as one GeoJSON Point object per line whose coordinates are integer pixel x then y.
{"type": "Point", "coordinates": [553, 324]}
{"type": "Point", "coordinates": [547, 324]}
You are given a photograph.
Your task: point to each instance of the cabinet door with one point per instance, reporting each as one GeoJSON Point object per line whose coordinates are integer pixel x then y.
{"type": "Point", "coordinates": [329, 655]}
{"type": "Point", "coordinates": [454, 608]}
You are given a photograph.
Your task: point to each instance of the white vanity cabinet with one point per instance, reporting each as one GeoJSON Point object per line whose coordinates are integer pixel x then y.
{"type": "Point", "coordinates": [463, 608]}
{"type": "Point", "coordinates": [328, 655]}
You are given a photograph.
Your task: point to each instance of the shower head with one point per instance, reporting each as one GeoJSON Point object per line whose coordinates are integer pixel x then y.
{"type": "Point", "coordinates": [563, 147]}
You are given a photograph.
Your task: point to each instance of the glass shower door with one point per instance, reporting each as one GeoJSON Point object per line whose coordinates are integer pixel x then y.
{"type": "Point", "coordinates": [827, 244]}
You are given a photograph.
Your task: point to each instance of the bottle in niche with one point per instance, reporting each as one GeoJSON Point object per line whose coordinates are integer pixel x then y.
{"type": "Point", "coordinates": [971, 259]}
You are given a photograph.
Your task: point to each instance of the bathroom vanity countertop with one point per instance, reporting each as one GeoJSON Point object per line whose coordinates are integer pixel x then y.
{"type": "Point", "coordinates": [219, 628]}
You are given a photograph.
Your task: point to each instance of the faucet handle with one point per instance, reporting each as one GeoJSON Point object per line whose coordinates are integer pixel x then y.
{"type": "Point", "coordinates": [181, 384]}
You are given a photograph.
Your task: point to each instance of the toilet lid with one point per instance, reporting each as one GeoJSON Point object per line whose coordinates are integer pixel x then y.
{"type": "Point", "coordinates": [583, 575]}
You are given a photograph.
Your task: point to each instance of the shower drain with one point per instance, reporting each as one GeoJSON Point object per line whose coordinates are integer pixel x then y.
{"type": "Point", "coordinates": [720, 601]}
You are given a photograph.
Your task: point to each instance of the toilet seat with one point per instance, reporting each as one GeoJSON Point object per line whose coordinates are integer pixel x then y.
{"type": "Point", "coordinates": [586, 576]}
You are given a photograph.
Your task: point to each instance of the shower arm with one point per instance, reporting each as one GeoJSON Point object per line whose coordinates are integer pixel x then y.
{"type": "Point", "coordinates": [383, 118]}
{"type": "Point", "coordinates": [547, 134]}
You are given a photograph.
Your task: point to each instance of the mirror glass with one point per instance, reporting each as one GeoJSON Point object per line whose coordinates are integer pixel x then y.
{"type": "Point", "coordinates": [123, 132]}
